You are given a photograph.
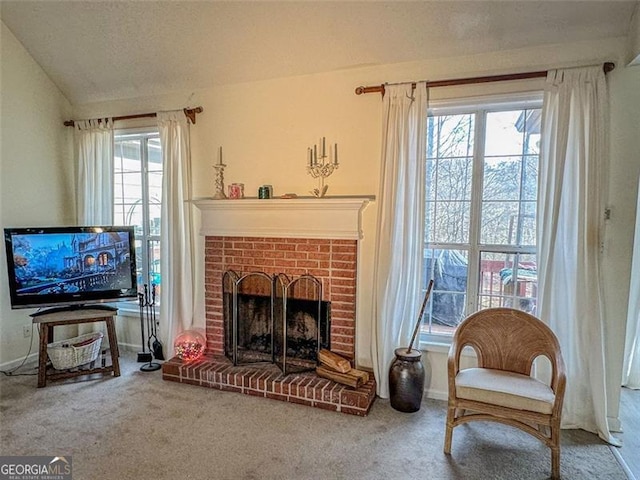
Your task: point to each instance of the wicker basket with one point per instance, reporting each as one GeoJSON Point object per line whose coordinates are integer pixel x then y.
{"type": "Point", "coordinates": [76, 351]}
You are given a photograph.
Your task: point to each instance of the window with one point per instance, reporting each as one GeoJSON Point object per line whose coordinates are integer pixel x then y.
{"type": "Point", "coordinates": [138, 195]}
{"type": "Point", "coordinates": [481, 194]}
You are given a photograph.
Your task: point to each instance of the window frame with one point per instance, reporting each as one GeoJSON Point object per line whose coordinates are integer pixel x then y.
{"type": "Point", "coordinates": [146, 239]}
{"type": "Point", "coordinates": [486, 104]}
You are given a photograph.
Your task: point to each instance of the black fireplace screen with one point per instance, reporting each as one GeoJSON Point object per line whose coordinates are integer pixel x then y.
{"type": "Point", "coordinates": [275, 319]}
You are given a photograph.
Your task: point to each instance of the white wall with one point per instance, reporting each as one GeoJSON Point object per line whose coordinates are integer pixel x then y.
{"type": "Point", "coordinates": [37, 186]}
{"type": "Point", "coordinates": [265, 128]}
{"type": "Point", "coordinates": [624, 88]}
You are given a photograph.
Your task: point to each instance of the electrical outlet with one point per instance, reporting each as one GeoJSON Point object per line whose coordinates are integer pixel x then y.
{"type": "Point", "coordinates": [26, 331]}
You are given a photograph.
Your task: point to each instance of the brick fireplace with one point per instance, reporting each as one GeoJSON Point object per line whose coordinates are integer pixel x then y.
{"type": "Point", "coordinates": [317, 237]}
{"type": "Point", "coordinates": [333, 262]}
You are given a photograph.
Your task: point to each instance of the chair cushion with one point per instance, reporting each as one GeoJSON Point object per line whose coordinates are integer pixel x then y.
{"type": "Point", "coordinates": [506, 389]}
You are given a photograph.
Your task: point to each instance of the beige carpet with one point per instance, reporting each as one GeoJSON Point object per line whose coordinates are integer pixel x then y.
{"type": "Point", "coordinates": [140, 427]}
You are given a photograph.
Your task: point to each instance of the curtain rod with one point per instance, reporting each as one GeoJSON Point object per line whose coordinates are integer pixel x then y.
{"type": "Point", "coordinates": [607, 67]}
{"type": "Point", "coordinates": [189, 112]}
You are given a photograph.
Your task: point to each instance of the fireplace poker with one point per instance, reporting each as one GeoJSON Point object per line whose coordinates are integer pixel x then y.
{"type": "Point", "coordinates": [144, 356]}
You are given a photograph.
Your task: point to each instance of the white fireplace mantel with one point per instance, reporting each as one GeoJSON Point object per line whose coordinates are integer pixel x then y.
{"type": "Point", "coordinates": [329, 217]}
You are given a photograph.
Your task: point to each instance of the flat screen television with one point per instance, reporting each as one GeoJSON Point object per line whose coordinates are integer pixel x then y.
{"type": "Point", "coordinates": [69, 267]}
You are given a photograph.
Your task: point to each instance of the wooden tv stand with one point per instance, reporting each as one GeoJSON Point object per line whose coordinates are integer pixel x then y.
{"type": "Point", "coordinates": [46, 323]}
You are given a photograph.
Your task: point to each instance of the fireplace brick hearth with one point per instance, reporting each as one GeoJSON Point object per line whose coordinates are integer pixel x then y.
{"type": "Point", "coordinates": [316, 237]}
{"type": "Point", "coordinates": [267, 381]}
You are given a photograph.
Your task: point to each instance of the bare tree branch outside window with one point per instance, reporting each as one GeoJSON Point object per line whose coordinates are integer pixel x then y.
{"type": "Point", "coordinates": [499, 233]}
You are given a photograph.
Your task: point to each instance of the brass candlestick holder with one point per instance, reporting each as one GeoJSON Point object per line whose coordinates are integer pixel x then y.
{"type": "Point", "coordinates": [321, 165]}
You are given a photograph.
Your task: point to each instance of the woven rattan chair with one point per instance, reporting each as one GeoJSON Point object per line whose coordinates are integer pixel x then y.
{"type": "Point", "coordinates": [500, 388]}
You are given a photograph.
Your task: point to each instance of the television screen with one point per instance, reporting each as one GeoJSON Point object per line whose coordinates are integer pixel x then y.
{"type": "Point", "coordinates": [59, 266]}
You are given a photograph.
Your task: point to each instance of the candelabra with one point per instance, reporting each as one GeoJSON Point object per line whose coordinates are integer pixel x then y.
{"type": "Point", "coordinates": [219, 181]}
{"type": "Point", "coordinates": [321, 165]}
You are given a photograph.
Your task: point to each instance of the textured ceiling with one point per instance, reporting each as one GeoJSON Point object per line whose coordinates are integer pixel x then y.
{"type": "Point", "coordinates": [104, 50]}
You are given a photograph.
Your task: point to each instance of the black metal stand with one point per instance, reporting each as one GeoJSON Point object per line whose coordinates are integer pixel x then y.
{"type": "Point", "coordinates": [150, 367]}
{"type": "Point", "coordinates": [147, 312]}
{"type": "Point", "coordinates": [143, 356]}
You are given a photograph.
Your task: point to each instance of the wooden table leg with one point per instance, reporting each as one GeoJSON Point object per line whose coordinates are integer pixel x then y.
{"type": "Point", "coordinates": [42, 355]}
{"type": "Point", "coordinates": [113, 346]}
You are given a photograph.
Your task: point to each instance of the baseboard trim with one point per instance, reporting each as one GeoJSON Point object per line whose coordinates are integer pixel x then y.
{"type": "Point", "coordinates": [11, 364]}
{"type": "Point", "coordinates": [437, 394]}
{"type": "Point", "coordinates": [129, 347]}
{"type": "Point", "coordinates": [623, 464]}
{"type": "Point", "coordinates": [614, 424]}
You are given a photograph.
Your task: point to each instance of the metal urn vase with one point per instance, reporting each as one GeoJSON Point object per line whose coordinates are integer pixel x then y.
{"type": "Point", "coordinates": [406, 380]}
{"type": "Point", "coordinates": [406, 375]}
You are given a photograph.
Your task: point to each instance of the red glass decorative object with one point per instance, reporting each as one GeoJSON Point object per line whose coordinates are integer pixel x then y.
{"type": "Point", "coordinates": [189, 345]}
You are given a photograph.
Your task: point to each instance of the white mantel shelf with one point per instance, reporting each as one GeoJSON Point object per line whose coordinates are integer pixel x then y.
{"type": "Point", "coordinates": [307, 217]}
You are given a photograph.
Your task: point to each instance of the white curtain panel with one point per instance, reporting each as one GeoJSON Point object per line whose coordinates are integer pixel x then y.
{"type": "Point", "coordinates": [94, 157]}
{"type": "Point", "coordinates": [176, 230]}
{"type": "Point", "coordinates": [94, 151]}
{"type": "Point", "coordinates": [570, 223]}
{"type": "Point", "coordinates": [399, 245]}
{"type": "Point", "coordinates": [631, 370]}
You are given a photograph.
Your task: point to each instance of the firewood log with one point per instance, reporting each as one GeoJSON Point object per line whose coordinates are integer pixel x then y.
{"type": "Point", "coordinates": [361, 374]}
{"type": "Point", "coordinates": [343, 378]}
{"type": "Point", "coordinates": [334, 361]}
